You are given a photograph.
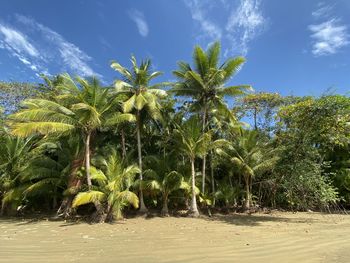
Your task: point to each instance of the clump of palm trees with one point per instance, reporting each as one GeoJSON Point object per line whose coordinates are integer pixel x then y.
{"type": "Point", "coordinates": [133, 145]}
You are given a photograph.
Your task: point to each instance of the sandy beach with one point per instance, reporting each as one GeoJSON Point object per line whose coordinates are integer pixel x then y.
{"type": "Point", "coordinates": [276, 237]}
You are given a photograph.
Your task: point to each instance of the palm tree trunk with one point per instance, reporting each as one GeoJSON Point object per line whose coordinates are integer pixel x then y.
{"type": "Point", "coordinates": [255, 120]}
{"type": "Point", "coordinates": [247, 201]}
{"type": "Point", "coordinates": [203, 172]}
{"type": "Point", "coordinates": [212, 178]}
{"type": "Point", "coordinates": [99, 216]}
{"type": "Point", "coordinates": [54, 199]}
{"type": "Point", "coordinates": [193, 209]}
{"type": "Point", "coordinates": [65, 208]}
{"type": "Point", "coordinates": [87, 159]}
{"type": "Point", "coordinates": [143, 208]}
{"type": "Point", "coordinates": [204, 157]}
{"type": "Point", "coordinates": [123, 143]}
{"type": "Point", "coordinates": [165, 209]}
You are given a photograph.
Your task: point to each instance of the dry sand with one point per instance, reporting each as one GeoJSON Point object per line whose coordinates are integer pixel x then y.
{"type": "Point", "coordinates": [278, 237]}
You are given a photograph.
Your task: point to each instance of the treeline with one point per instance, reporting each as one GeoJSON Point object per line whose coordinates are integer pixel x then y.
{"type": "Point", "coordinates": [75, 146]}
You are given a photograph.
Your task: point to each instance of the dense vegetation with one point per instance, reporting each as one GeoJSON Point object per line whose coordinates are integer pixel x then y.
{"type": "Point", "coordinates": [75, 146]}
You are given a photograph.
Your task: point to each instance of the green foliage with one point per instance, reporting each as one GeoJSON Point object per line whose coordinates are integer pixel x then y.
{"type": "Point", "coordinates": [250, 156]}
{"type": "Point", "coordinates": [296, 156]}
{"type": "Point", "coordinates": [302, 185]}
{"type": "Point", "coordinates": [261, 108]}
{"type": "Point", "coordinates": [13, 93]}
{"type": "Point", "coordinates": [190, 139]}
{"type": "Point", "coordinates": [112, 183]}
{"type": "Point", "coordinates": [205, 81]}
{"type": "Point", "coordinates": [161, 176]}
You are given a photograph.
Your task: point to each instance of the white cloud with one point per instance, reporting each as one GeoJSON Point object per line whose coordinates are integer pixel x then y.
{"type": "Point", "coordinates": [245, 23]}
{"type": "Point", "coordinates": [67, 54]}
{"type": "Point", "coordinates": [16, 41]}
{"type": "Point", "coordinates": [140, 22]}
{"type": "Point", "coordinates": [19, 46]}
{"type": "Point", "coordinates": [241, 26]}
{"type": "Point", "coordinates": [24, 60]}
{"type": "Point", "coordinates": [329, 37]}
{"type": "Point", "coordinates": [209, 29]}
{"type": "Point", "coordinates": [49, 50]}
{"type": "Point", "coordinates": [322, 10]}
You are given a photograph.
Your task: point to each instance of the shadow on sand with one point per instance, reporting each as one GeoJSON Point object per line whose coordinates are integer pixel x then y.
{"type": "Point", "coordinates": [238, 219]}
{"type": "Point", "coordinates": [255, 219]}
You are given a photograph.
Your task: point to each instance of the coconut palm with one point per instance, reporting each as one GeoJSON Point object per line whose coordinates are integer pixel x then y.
{"type": "Point", "coordinates": [111, 187]}
{"type": "Point", "coordinates": [192, 143]}
{"type": "Point", "coordinates": [142, 98]}
{"type": "Point", "coordinates": [205, 84]}
{"type": "Point", "coordinates": [46, 173]}
{"type": "Point", "coordinates": [163, 177]}
{"type": "Point", "coordinates": [82, 107]}
{"type": "Point", "coordinates": [14, 152]}
{"type": "Point", "coordinates": [250, 157]}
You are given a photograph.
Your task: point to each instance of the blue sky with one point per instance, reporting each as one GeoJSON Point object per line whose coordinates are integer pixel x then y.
{"type": "Point", "coordinates": [292, 47]}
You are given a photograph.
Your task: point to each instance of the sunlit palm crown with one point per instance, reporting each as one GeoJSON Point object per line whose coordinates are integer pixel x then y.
{"type": "Point", "coordinates": [205, 81]}
{"type": "Point", "coordinates": [136, 84]}
{"type": "Point", "coordinates": [81, 105]}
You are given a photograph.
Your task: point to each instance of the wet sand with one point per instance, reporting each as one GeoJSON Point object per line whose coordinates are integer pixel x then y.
{"type": "Point", "coordinates": [277, 237]}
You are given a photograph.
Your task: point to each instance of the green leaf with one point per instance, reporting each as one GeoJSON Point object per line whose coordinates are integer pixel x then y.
{"type": "Point", "coordinates": [84, 198]}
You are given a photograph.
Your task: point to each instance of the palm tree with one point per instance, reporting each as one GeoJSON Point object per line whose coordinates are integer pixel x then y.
{"type": "Point", "coordinates": [205, 84]}
{"type": "Point", "coordinates": [142, 98]}
{"type": "Point", "coordinates": [192, 143]}
{"type": "Point", "coordinates": [163, 177]}
{"type": "Point", "coordinates": [14, 152]}
{"type": "Point", "coordinates": [80, 107]}
{"type": "Point", "coordinates": [46, 173]}
{"type": "Point", "coordinates": [250, 156]}
{"type": "Point", "coordinates": [112, 187]}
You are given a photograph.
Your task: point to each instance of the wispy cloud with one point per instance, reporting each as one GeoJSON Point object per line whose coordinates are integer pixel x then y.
{"type": "Point", "coordinates": [19, 46]}
{"type": "Point", "coordinates": [17, 41]}
{"type": "Point", "coordinates": [242, 24]}
{"type": "Point", "coordinates": [48, 50]}
{"type": "Point", "coordinates": [140, 21]}
{"type": "Point", "coordinates": [330, 35]}
{"type": "Point", "coordinates": [245, 23]}
{"type": "Point", "coordinates": [208, 28]}
{"type": "Point", "coordinates": [323, 10]}
{"type": "Point", "coordinates": [104, 43]}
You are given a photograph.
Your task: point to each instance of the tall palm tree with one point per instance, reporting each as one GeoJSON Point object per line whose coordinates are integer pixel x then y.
{"type": "Point", "coordinates": [250, 156]}
{"type": "Point", "coordinates": [192, 143]}
{"type": "Point", "coordinates": [81, 107]}
{"type": "Point", "coordinates": [205, 84]}
{"type": "Point", "coordinates": [142, 98]}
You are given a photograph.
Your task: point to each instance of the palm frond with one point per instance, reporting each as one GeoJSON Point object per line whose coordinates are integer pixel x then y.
{"type": "Point", "coordinates": [84, 198]}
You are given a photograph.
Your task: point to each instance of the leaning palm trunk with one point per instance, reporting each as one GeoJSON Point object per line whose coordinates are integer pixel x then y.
{"type": "Point", "coordinates": [99, 216]}
{"type": "Point", "coordinates": [65, 209]}
{"type": "Point", "coordinates": [143, 208]}
{"type": "Point", "coordinates": [193, 209]}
